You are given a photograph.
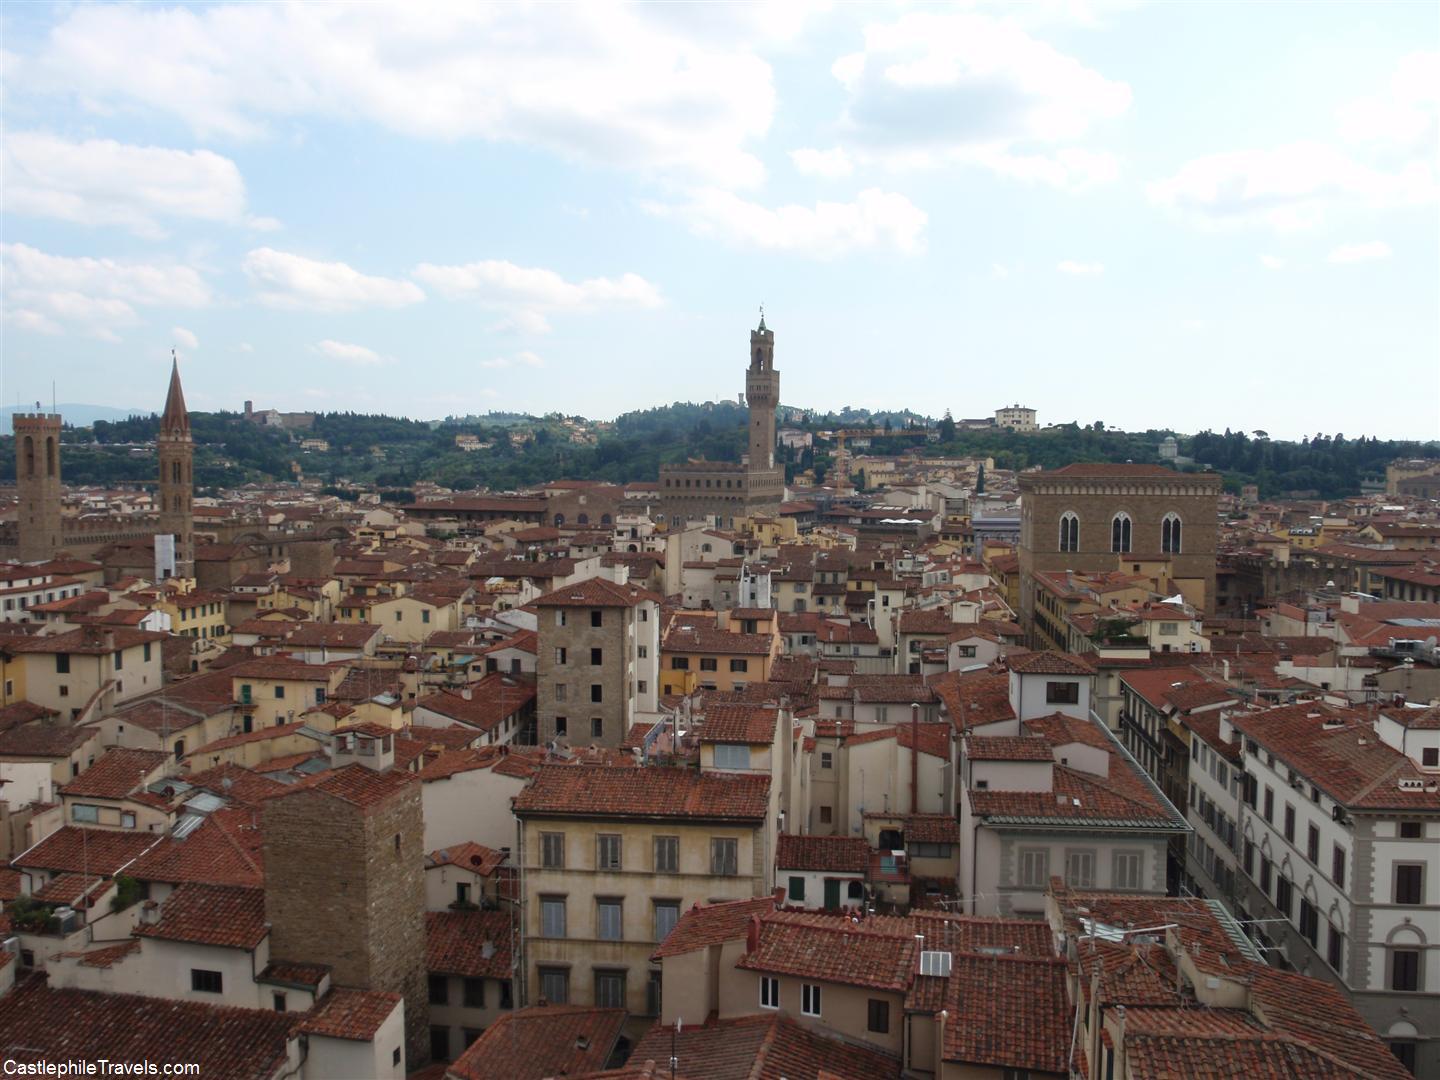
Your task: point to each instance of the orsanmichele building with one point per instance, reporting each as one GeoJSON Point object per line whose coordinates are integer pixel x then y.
{"type": "Point", "coordinates": [722, 490]}
{"type": "Point", "coordinates": [1128, 519]}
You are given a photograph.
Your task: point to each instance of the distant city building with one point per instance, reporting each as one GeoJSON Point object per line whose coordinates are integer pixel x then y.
{"type": "Point", "coordinates": [725, 491]}
{"type": "Point", "coordinates": [37, 480]}
{"type": "Point", "coordinates": [1016, 418]}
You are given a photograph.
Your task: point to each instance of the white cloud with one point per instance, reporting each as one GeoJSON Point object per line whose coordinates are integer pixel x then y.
{"type": "Point", "coordinates": [350, 354]}
{"type": "Point", "coordinates": [829, 164]}
{"type": "Point", "coordinates": [999, 271]}
{"type": "Point", "coordinates": [528, 294]}
{"type": "Point", "coordinates": [969, 88]}
{"type": "Point", "coordinates": [184, 338]}
{"type": "Point", "coordinates": [52, 293]}
{"type": "Point", "coordinates": [620, 85]}
{"type": "Point", "coordinates": [520, 359]}
{"type": "Point", "coordinates": [1082, 269]}
{"type": "Point", "coordinates": [245, 346]}
{"type": "Point", "coordinates": [875, 220]}
{"type": "Point", "coordinates": [103, 182]}
{"type": "Point", "coordinates": [1353, 253]}
{"type": "Point", "coordinates": [1405, 113]}
{"type": "Point", "coordinates": [285, 280]}
{"type": "Point", "coordinates": [1288, 187]}
{"type": "Point", "coordinates": [1272, 262]}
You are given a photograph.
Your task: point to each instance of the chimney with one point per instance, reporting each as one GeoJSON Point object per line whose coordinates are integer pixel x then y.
{"type": "Point", "coordinates": [752, 935]}
{"type": "Point", "coordinates": [467, 693]}
{"type": "Point", "coordinates": [149, 913]}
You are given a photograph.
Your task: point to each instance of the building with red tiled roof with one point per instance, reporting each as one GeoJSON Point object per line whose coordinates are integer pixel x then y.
{"type": "Point", "coordinates": [542, 1041]}
{"type": "Point", "coordinates": [470, 961]}
{"type": "Point", "coordinates": [766, 1047]}
{"type": "Point", "coordinates": [498, 707]}
{"type": "Point", "coordinates": [223, 916]}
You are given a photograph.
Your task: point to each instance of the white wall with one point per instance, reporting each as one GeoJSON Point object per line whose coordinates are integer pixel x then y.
{"type": "Point", "coordinates": [346, 1059]}
{"type": "Point", "coordinates": [472, 805]}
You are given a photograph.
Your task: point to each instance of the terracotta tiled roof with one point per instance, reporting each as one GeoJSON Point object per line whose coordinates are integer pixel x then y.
{"type": "Point", "coordinates": [291, 974]}
{"type": "Point", "coordinates": [69, 889]}
{"type": "Point", "coordinates": [597, 592]}
{"type": "Point", "coordinates": [491, 701]}
{"type": "Point", "coordinates": [224, 850]}
{"type": "Point", "coordinates": [542, 1041]}
{"type": "Point", "coordinates": [653, 792]}
{"type": "Point", "coordinates": [106, 956]}
{"type": "Point", "coordinates": [59, 1025]}
{"type": "Point", "coordinates": [1049, 663]}
{"type": "Point", "coordinates": [475, 944]}
{"type": "Point", "coordinates": [1427, 719]}
{"type": "Point", "coordinates": [732, 723]}
{"type": "Point", "coordinates": [838, 854]}
{"type": "Point", "coordinates": [98, 851]}
{"type": "Point", "coordinates": [1346, 760]}
{"type": "Point", "coordinates": [834, 951]}
{"type": "Point", "coordinates": [1008, 1012]}
{"type": "Point", "coordinates": [710, 924]}
{"type": "Point", "coordinates": [350, 1014]}
{"type": "Point", "coordinates": [221, 915]}
{"type": "Point", "coordinates": [115, 775]}
{"type": "Point", "coordinates": [237, 784]}
{"type": "Point", "coordinates": [24, 712]}
{"type": "Point", "coordinates": [931, 829]}
{"type": "Point", "coordinates": [768, 1047]}
{"type": "Point", "coordinates": [360, 786]}
{"type": "Point", "coordinates": [690, 638]}
{"type": "Point", "coordinates": [45, 739]}
{"type": "Point", "coordinates": [934, 738]}
{"type": "Point", "coordinates": [1007, 748]}
{"type": "Point", "coordinates": [974, 700]}
{"type": "Point", "coordinates": [469, 855]}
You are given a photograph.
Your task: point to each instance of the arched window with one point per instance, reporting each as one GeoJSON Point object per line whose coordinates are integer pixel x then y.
{"type": "Point", "coordinates": [29, 455]}
{"type": "Point", "coordinates": [50, 462]}
{"type": "Point", "coordinates": [1170, 534]}
{"type": "Point", "coordinates": [1069, 532]}
{"type": "Point", "coordinates": [559, 520]}
{"type": "Point", "coordinates": [1120, 532]}
{"type": "Point", "coordinates": [583, 519]}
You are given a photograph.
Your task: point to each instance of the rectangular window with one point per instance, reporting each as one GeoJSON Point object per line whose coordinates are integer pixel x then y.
{"type": "Point", "coordinates": [708, 663]}
{"type": "Point", "coordinates": [609, 989]}
{"type": "Point", "coordinates": [1269, 805]}
{"type": "Point", "coordinates": [679, 663]}
{"type": "Point", "coordinates": [84, 814]}
{"type": "Point", "coordinates": [739, 665]}
{"type": "Point", "coordinates": [597, 656]}
{"type": "Point", "coordinates": [507, 994]}
{"type": "Point", "coordinates": [561, 655]}
{"type": "Point", "coordinates": [810, 999]}
{"type": "Point", "coordinates": [1062, 693]}
{"type": "Point", "coordinates": [1126, 872]}
{"type": "Point", "coordinates": [1405, 969]}
{"type": "Point", "coordinates": [879, 1017]}
{"type": "Point", "coordinates": [827, 815]}
{"type": "Point", "coordinates": [1337, 866]}
{"type": "Point", "coordinates": [559, 691]}
{"type": "Point", "coordinates": [797, 888]}
{"type": "Point", "coordinates": [597, 727]}
{"type": "Point", "coordinates": [597, 693]}
{"type": "Point", "coordinates": [724, 856]}
{"type": "Point", "coordinates": [127, 819]}
{"type": "Point", "coordinates": [597, 618]}
{"type": "Point", "coordinates": [1265, 875]}
{"type": "Point", "coordinates": [827, 759]}
{"type": "Point", "coordinates": [1312, 843]}
{"type": "Point", "coordinates": [1309, 922]}
{"type": "Point", "coordinates": [1411, 830]}
{"type": "Point", "coordinates": [439, 990]}
{"type": "Point", "coordinates": [562, 726]}
{"type": "Point", "coordinates": [1335, 950]}
{"type": "Point", "coordinates": [1289, 823]}
{"type": "Point", "coordinates": [555, 985]}
{"type": "Point", "coordinates": [62, 663]}
{"type": "Point", "coordinates": [667, 914]}
{"type": "Point", "coordinates": [1034, 868]}
{"type": "Point", "coordinates": [1080, 869]}
{"type": "Point", "coordinates": [609, 920]}
{"type": "Point", "coordinates": [607, 853]}
{"type": "Point", "coordinates": [552, 916]}
{"type": "Point", "coordinates": [280, 691]}
{"type": "Point", "coordinates": [1409, 883]}
{"type": "Point", "coordinates": [1248, 858]}
{"type": "Point", "coordinates": [552, 850]}
{"type": "Point", "coordinates": [667, 854]}
{"type": "Point", "coordinates": [206, 982]}
{"type": "Point", "coordinates": [732, 756]}
{"type": "Point", "coordinates": [769, 992]}
{"type": "Point", "coordinates": [1284, 896]}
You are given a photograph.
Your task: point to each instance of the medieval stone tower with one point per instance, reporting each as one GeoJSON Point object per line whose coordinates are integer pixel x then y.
{"type": "Point", "coordinates": [37, 482]}
{"type": "Point", "coordinates": [762, 394]}
{"type": "Point", "coordinates": [345, 887]}
{"type": "Point", "coordinates": [177, 454]}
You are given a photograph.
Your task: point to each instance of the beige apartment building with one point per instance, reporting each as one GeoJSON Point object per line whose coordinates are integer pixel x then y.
{"type": "Point", "coordinates": [609, 859]}
{"type": "Point", "coordinates": [89, 671]}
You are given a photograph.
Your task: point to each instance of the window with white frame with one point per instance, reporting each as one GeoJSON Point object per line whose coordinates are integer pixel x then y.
{"type": "Point", "coordinates": [1080, 869]}
{"type": "Point", "coordinates": [810, 999]}
{"type": "Point", "coordinates": [1125, 872]}
{"type": "Point", "coordinates": [1034, 867]}
{"type": "Point", "coordinates": [769, 992]}
{"type": "Point", "coordinates": [732, 756]}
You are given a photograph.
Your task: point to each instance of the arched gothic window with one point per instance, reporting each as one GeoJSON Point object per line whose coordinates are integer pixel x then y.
{"type": "Point", "coordinates": [1170, 534]}
{"type": "Point", "coordinates": [1120, 532]}
{"type": "Point", "coordinates": [1069, 532]}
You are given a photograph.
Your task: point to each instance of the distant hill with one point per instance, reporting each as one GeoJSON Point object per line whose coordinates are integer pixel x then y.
{"type": "Point", "coordinates": [77, 414]}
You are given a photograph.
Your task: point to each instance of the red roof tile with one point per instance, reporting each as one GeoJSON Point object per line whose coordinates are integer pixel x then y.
{"type": "Point", "coordinates": [1008, 1012]}
{"type": "Point", "coordinates": [768, 1047]}
{"type": "Point", "coordinates": [652, 792]}
{"type": "Point", "coordinates": [350, 1014]}
{"type": "Point", "coordinates": [734, 723]}
{"type": "Point", "coordinates": [834, 951]}
{"type": "Point", "coordinates": [474, 944]}
{"type": "Point", "coordinates": [597, 592]}
{"type": "Point", "coordinates": [221, 915]}
{"type": "Point", "coordinates": [710, 924]}
{"type": "Point", "coordinates": [837, 854]}
{"type": "Point", "coordinates": [97, 851]}
{"type": "Point", "coordinates": [542, 1041]}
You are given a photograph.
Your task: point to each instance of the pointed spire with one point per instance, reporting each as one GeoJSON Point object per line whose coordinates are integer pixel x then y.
{"type": "Point", "coordinates": [176, 420]}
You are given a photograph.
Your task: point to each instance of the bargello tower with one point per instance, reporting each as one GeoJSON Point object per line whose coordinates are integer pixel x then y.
{"type": "Point", "coordinates": [177, 454]}
{"type": "Point", "coordinates": [37, 483]}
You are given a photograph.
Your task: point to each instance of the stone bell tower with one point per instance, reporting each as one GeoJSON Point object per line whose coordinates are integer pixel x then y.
{"type": "Point", "coordinates": [177, 453]}
{"type": "Point", "coordinates": [762, 394]}
{"type": "Point", "coordinates": [37, 483]}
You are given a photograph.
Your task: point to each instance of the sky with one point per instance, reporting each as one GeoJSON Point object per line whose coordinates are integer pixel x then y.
{"type": "Point", "coordinates": [1173, 215]}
